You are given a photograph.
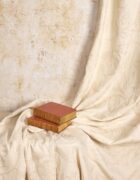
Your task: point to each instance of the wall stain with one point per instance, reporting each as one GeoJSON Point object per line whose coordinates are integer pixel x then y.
{"type": "Point", "coordinates": [1, 14]}
{"type": "Point", "coordinates": [63, 28]}
{"type": "Point", "coordinates": [19, 83]}
{"type": "Point", "coordinates": [32, 43]}
{"type": "Point", "coordinates": [64, 41]}
{"type": "Point", "coordinates": [17, 12]}
{"type": "Point", "coordinates": [1, 8]}
{"type": "Point", "coordinates": [20, 61]}
{"type": "Point", "coordinates": [41, 56]}
{"type": "Point", "coordinates": [94, 1]}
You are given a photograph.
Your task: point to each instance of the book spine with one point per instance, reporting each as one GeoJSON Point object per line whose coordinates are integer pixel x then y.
{"type": "Point", "coordinates": [42, 125]}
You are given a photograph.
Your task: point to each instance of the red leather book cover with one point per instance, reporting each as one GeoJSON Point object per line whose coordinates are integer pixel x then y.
{"type": "Point", "coordinates": [55, 112]}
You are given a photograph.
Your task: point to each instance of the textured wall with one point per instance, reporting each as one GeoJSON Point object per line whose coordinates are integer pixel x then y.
{"type": "Point", "coordinates": [44, 46]}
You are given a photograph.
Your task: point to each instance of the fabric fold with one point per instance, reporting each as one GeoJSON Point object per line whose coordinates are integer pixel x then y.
{"type": "Point", "coordinates": [103, 141]}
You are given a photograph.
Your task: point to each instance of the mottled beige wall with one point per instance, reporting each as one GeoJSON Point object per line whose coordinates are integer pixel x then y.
{"type": "Point", "coordinates": [44, 45]}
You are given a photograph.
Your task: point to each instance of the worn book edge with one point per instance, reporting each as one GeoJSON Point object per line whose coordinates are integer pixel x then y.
{"type": "Point", "coordinates": [44, 124]}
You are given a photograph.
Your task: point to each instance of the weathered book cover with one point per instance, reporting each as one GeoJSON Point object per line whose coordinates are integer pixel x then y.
{"type": "Point", "coordinates": [44, 124]}
{"type": "Point", "coordinates": [55, 112]}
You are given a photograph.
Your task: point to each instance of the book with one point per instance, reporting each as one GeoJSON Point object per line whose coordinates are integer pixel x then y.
{"type": "Point", "coordinates": [44, 124]}
{"type": "Point", "coordinates": [55, 112]}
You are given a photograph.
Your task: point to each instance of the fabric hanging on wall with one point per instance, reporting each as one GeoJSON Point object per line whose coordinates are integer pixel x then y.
{"type": "Point", "coordinates": [104, 140]}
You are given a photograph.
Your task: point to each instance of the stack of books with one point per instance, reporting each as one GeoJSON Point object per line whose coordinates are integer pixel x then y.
{"type": "Point", "coordinates": [52, 116]}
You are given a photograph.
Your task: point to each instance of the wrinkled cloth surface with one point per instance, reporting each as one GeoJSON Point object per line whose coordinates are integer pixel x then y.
{"type": "Point", "coordinates": [103, 142]}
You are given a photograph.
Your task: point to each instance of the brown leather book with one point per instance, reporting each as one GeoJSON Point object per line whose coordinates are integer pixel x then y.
{"type": "Point", "coordinates": [55, 112]}
{"type": "Point", "coordinates": [44, 124]}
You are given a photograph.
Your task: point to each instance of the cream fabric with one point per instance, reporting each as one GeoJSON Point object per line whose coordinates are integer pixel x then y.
{"type": "Point", "coordinates": [104, 140]}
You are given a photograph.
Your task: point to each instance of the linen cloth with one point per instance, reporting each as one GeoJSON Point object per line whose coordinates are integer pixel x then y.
{"type": "Point", "coordinates": [103, 141]}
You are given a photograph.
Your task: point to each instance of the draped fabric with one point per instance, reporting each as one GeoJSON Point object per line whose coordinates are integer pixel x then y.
{"type": "Point", "coordinates": [103, 142]}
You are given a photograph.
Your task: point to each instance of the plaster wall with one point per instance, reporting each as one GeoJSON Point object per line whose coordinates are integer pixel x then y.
{"type": "Point", "coordinates": [44, 46]}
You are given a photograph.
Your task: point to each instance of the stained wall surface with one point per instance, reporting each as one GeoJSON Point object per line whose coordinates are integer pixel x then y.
{"type": "Point", "coordinates": [44, 46]}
